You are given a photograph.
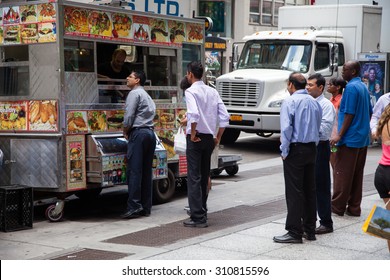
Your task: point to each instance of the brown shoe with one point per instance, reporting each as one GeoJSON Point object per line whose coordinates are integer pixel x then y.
{"type": "Point", "coordinates": [352, 214]}
{"type": "Point", "coordinates": [323, 229]}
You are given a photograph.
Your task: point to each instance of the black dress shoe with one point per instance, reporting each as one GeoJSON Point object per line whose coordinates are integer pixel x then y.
{"type": "Point", "coordinates": [144, 213]}
{"type": "Point", "coordinates": [134, 213]}
{"type": "Point", "coordinates": [323, 229]}
{"type": "Point", "coordinates": [309, 236]}
{"type": "Point", "coordinates": [287, 238]}
{"type": "Point", "coordinates": [192, 223]}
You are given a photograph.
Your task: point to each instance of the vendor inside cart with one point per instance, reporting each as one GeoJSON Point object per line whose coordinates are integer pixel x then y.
{"type": "Point", "coordinates": [116, 69]}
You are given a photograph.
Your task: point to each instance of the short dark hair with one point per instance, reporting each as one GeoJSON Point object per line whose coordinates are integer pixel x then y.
{"type": "Point", "coordinates": [184, 83]}
{"type": "Point", "coordinates": [320, 79]}
{"type": "Point", "coordinates": [140, 74]}
{"type": "Point", "coordinates": [196, 68]}
{"type": "Point", "coordinates": [298, 80]}
{"type": "Point", "coordinates": [338, 81]}
{"type": "Point", "coordinates": [355, 65]}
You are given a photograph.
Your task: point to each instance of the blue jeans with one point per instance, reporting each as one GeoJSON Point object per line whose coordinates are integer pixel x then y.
{"type": "Point", "coordinates": [140, 151]}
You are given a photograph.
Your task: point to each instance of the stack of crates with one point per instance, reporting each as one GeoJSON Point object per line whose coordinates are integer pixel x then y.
{"type": "Point", "coordinates": [16, 208]}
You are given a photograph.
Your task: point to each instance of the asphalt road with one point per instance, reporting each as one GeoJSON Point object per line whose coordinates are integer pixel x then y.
{"type": "Point", "coordinates": [253, 148]}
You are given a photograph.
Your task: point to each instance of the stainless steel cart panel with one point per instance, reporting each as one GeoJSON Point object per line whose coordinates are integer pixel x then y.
{"type": "Point", "coordinates": [44, 71]}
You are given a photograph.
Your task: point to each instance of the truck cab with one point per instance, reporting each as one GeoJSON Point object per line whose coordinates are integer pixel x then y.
{"type": "Point", "coordinates": [254, 91]}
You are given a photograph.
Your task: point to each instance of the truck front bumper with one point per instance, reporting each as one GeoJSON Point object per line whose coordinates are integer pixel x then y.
{"type": "Point", "coordinates": [255, 122]}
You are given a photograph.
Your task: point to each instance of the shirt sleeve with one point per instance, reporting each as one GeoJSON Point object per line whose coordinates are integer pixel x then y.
{"type": "Point", "coordinates": [377, 111]}
{"type": "Point", "coordinates": [222, 113]}
{"type": "Point", "coordinates": [193, 115]}
{"type": "Point", "coordinates": [328, 115]}
{"type": "Point", "coordinates": [286, 127]}
{"type": "Point", "coordinates": [131, 107]}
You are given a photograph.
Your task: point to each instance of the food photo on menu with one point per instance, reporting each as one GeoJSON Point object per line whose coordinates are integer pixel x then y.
{"type": "Point", "coordinates": [46, 12]}
{"type": "Point", "coordinates": [47, 32]}
{"type": "Point", "coordinates": [29, 33]}
{"type": "Point", "coordinates": [13, 115]}
{"type": "Point", "coordinates": [28, 13]}
{"type": "Point", "coordinates": [11, 15]}
{"type": "Point", "coordinates": [176, 31]}
{"type": "Point", "coordinates": [115, 120]}
{"type": "Point", "coordinates": [99, 23]}
{"type": "Point", "coordinates": [158, 30]}
{"type": "Point", "coordinates": [121, 25]}
{"type": "Point", "coordinates": [76, 20]}
{"type": "Point", "coordinates": [194, 33]}
{"type": "Point", "coordinates": [97, 121]}
{"type": "Point", "coordinates": [11, 34]}
{"type": "Point", "coordinates": [43, 115]}
{"type": "Point", "coordinates": [76, 121]}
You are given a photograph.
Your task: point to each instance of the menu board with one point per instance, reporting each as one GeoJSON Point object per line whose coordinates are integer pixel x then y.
{"type": "Point", "coordinates": [75, 162]}
{"type": "Point", "coordinates": [94, 121]}
{"type": "Point", "coordinates": [128, 28]}
{"type": "Point", "coordinates": [29, 116]}
{"type": "Point", "coordinates": [28, 24]}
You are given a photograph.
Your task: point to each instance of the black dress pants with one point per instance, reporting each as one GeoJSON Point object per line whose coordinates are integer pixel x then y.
{"type": "Point", "coordinates": [299, 176]}
{"type": "Point", "coordinates": [198, 172]}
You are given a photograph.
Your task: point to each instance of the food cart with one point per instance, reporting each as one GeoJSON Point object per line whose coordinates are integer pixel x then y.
{"type": "Point", "coordinates": [60, 125]}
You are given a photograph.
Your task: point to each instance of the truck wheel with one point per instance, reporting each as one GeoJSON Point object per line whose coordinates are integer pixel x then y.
{"type": "Point", "coordinates": [232, 170]}
{"type": "Point", "coordinates": [230, 136]}
{"type": "Point", "coordinates": [265, 134]}
{"type": "Point", "coordinates": [164, 189]}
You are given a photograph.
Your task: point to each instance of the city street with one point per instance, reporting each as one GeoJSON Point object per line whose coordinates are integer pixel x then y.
{"type": "Point", "coordinates": [245, 212]}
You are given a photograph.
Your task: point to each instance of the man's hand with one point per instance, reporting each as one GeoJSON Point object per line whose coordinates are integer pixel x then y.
{"type": "Point", "coordinates": [335, 139]}
{"type": "Point", "coordinates": [216, 142]}
{"type": "Point", "coordinates": [195, 138]}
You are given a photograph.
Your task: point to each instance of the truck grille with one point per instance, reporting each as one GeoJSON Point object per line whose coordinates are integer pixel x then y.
{"type": "Point", "coordinates": [240, 94]}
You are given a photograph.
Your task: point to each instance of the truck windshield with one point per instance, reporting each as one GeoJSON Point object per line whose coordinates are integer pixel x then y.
{"type": "Point", "coordinates": [289, 55]}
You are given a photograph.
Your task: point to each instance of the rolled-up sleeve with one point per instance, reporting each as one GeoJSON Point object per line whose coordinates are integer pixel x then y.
{"type": "Point", "coordinates": [223, 114]}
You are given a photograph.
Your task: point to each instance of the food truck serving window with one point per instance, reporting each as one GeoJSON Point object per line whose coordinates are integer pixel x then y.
{"type": "Point", "coordinates": [78, 56]}
{"type": "Point", "coordinates": [14, 71]}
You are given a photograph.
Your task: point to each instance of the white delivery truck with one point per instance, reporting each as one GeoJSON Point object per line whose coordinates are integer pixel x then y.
{"type": "Point", "coordinates": [310, 39]}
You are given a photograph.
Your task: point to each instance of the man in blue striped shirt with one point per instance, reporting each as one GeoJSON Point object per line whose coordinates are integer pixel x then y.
{"type": "Point", "coordinates": [300, 121]}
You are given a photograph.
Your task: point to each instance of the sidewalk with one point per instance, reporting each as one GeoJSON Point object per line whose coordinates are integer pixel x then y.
{"type": "Point", "coordinates": [257, 186]}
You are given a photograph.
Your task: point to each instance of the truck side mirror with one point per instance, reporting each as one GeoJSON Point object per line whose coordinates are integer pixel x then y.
{"type": "Point", "coordinates": [235, 56]}
{"type": "Point", "coordinates": [334, 57]}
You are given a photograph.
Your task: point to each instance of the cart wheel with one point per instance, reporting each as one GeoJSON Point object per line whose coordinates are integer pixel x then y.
{"type": "Point", "coordinates": [164, 189]}
{"type": "Point", "coordinates": [232, 170]}
{"type": "Point", "coordinates": [51, 216]}
{"type": "Point", "coordinates": [216, 172]}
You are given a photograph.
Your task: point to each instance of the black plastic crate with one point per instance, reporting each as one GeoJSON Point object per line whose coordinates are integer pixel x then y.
{"type": "Point", "coordinates": [16, 208]}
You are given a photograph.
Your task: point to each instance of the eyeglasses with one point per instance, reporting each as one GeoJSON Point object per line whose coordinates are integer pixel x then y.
{"type": "Point", "coordinates": [132, 77]}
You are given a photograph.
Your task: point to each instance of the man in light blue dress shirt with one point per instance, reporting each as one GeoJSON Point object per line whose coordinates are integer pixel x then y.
{"type": "Point", "coordinates": [300, 121]}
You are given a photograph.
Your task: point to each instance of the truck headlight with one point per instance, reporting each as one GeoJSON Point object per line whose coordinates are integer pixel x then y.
{"type": "Point", "coordinates": [276, 104]}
